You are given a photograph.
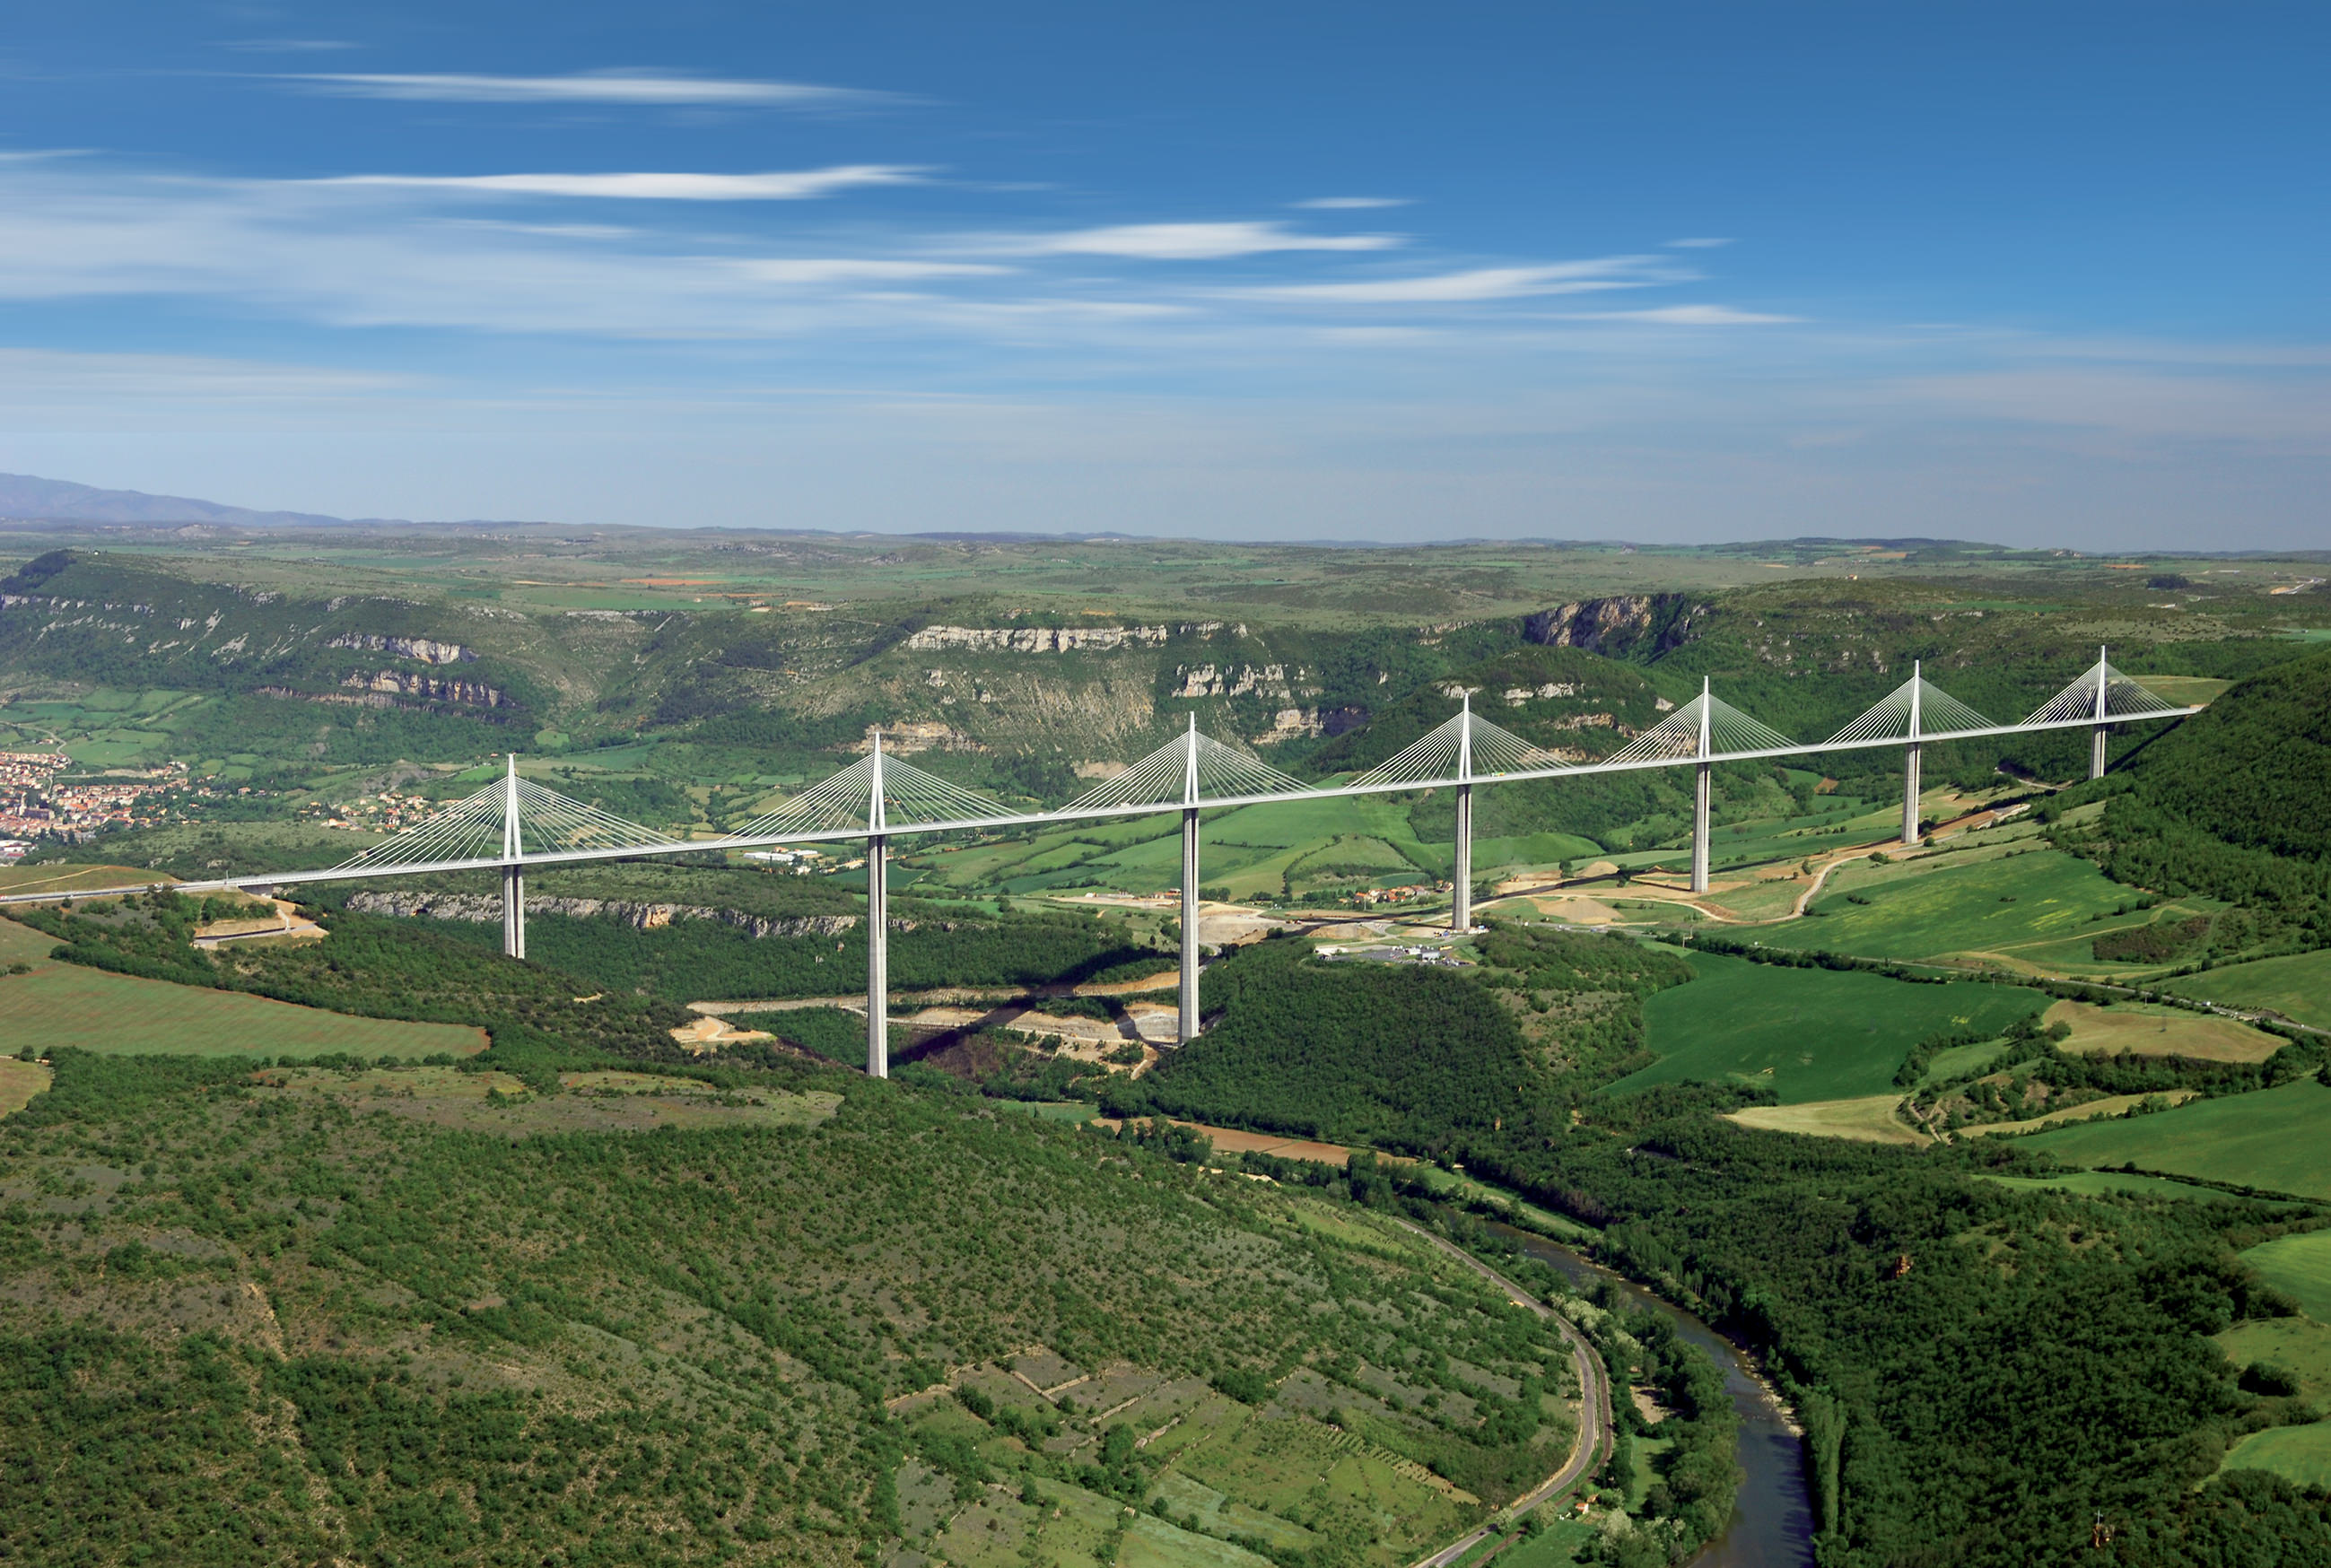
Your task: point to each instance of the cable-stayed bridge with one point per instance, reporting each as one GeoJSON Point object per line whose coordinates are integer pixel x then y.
{"type": "Point", "coordinates": [514, 825]}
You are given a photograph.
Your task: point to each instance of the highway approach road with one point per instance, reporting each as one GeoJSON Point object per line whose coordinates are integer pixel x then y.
{"type": "Point", "coordinates": [1593, 1439]}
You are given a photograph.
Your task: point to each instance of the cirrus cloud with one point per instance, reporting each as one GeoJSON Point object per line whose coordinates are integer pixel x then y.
{"type": "Point", "coordinates": [617, 87]}
{"type": "Point", "coordinates": [1475, 285]}
{"type": "Point", "coordinates": [790, 185]}
{"type": "Point", "coordinates": [1184, 242]}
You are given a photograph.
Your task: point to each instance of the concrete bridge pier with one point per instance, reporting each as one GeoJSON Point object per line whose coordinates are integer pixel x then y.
{"type": "Point", "coordinates": [513, 912]}
{"type": "Point", "coordinates": [878, 957]}
{"type": "Point", "coordinates": [1701, 784]}
{"type": "Point", "coordinates": [1187, 1030]}
{"type": "Point", "coordinates": [1461, 901]}
{"type": "Point", "coordinates": [1910, 795]}
{"type": "Point", "coordinates": [2096, 736]}
{"type": "Point", "coordinates": [513, 874]}
{"type": "Point", "coordinates": [878, 922]}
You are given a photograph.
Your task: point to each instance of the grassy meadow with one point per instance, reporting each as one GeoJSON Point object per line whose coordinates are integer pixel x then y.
{"type": "Point", "coordinates": [2302, 1265]}
{"type": "Point", "coordinates": [2272, 1139]}
{"type": "Point", "coordinates": [123, 1015]}
{"type": "Point", "coordinates": [1808, 1034]}
{"type": "Point", "coordinates": [2298, 986]}
{"type": "Point", "coordinates": [2148, 1028]}
{"type": "Point", "coordinates": [2030, 909]}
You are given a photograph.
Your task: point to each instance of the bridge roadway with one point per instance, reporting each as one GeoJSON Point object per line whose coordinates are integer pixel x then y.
{"type": "Point", "coordinates": [1586, 1449]}
{"type": "Point", "coordinates": [872, 819]}
{"type": "Point", "coordinates": [899, 830]}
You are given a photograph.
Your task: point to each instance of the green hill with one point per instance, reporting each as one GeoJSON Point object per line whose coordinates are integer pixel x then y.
{"type": "Point", "coordinates": [2254, 767]}
{"type": "Point", "coordinates": [403, 1315]}
{"type": "Point", "coordinates": [2229, 803]}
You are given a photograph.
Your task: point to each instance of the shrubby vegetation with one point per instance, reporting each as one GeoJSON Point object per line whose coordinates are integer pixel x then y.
{"type": "Point", "coordinates": [426, 1345]}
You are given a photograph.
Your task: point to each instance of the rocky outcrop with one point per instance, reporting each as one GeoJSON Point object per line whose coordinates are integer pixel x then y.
{"type": "Point", "coordinates": [441, 687]}
{"type": "Point", "coordinates": [1061, 639]}
{"type": "Point", "coordinates": [916, 736]}
{"type": "Point", "coordinates": [421, 647]}
{"type": "Point", "coordinates": [485, 906]}
{"type": "Point", "coordinates": [1233, 680]}
{"type": "Point", "coordinates": [1625, 626]}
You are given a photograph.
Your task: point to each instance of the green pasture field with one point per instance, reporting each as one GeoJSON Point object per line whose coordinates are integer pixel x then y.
{"type": "Point", "coordinates": [2111, 1184]}
{"type": "Point", "coordinates": [2298, 986]}
{"type": "Point", "coordinates": [2184, 690]}
{"type": "Point", "coordinates": [2302, 1265]}
{"type": "Point", "coordinates": [119, 1015]}
{"type": "Point", "coordinates": [1564, 1542]}
{"type": "Point", "coordinates": [2298, 1345]}
{"type": "Point", "coordinates": [2272, 1139]}
{"type": "Point", "coordinates": [1809, 1034]}
{"type": "Point", "coordinates": [2299, 1454]}
{"type": "Point", "coordinates": [2035, 909]}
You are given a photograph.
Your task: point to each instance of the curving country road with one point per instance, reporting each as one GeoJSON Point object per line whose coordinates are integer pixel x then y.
{"type": "Point", "coordinates": [1593, 1438]}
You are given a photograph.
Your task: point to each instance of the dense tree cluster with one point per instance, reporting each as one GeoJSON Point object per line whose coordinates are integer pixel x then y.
{"type": "Point", "coordinates": [1398, 1056]}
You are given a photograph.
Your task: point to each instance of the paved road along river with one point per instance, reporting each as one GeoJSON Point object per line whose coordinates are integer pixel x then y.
{"type": "Point", "coordinates": [1772, 1521]}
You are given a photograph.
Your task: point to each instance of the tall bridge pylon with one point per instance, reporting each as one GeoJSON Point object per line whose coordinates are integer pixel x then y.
{"type": "Point", "coordinates": [1184, 772]}
{"type": "Point", "coordinates": [1913, 713]}
{"type": "Point", "coordinates": [2101, 695]}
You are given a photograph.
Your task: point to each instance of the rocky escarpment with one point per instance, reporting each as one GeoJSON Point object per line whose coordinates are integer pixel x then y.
{"type": "Point", "coordinates": [421, 647]}
{"type": "Point", "coordinates": [1625, 626]}
{"type": "Point", "coordinates": [486, 907]}
{"type": "Point", "coordinates": [441, 687]}
{"type": "Point", "coordinates": [1061, 639]}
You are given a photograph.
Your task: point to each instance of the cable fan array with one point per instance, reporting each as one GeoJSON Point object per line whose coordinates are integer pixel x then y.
{"type": "Point", "coordinates": [1165, 776]}
{"type": "Point", "coordinates": [2124, 698]}
{"type": "Point", "coordinates": [1435, 756]}
{"type": "Point", "coordinates": [1939, 714]}
{"type": "Point", "coordinates": [1677, 735]}
{"type": "Point", "coordinates": [472, 830]}
{"type": "Point", "coordinates": [910, 798]}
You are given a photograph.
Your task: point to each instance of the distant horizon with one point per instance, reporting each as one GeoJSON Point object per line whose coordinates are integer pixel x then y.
{"type": "Point", "coordinates": [257, 521]}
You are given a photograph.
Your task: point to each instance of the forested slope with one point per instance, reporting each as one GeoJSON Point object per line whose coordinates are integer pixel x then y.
{"type": "Point", "coordinates": [297, 1318]}
{"type": "Point", "coordinates": [2229, 803]}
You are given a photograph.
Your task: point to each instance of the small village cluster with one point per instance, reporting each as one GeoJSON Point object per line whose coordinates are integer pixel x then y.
{"type": "Point", "coordinates": [34, 804]}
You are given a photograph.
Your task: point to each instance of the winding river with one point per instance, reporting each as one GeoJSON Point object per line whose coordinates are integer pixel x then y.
{"type": "Point", "coordinates": [1772, 1520]}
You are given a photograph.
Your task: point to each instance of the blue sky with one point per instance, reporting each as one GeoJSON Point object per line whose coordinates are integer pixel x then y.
{"type": "Point", "coordinates": [2040, 273]}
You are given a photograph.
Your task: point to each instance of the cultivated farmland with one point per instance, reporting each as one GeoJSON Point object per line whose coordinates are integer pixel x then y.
{"type": "Point", "coordinates": [2144, 1030]}
{"type": "Point", "coordinates": [2272, 1139]}
{"type": "Point", "coordinates": [1809, 1034]}
{"type": "Point", "coordinates": [2298, 986]}
{"type": "Point", "coordinates": [118, 1014]}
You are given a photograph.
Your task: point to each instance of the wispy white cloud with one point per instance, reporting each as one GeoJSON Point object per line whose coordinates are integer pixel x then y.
{"type": "Point", "coordinates": [792, 185]}
{"type": "Point", "coordinates": [830, 269]}
{"type": "Point", "coordinates": [618, 87]}
{"type": "Point", "coordinates": [1474, 285]}
{"type": "Point", "coordinates": [1351, 204]}
{"type": "Point", "coordinates": [1183, 242]}
{"type": "Point", "coordinates": [1685, 316]}
{"type": "Point", "coordinates": [1699, 244]}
